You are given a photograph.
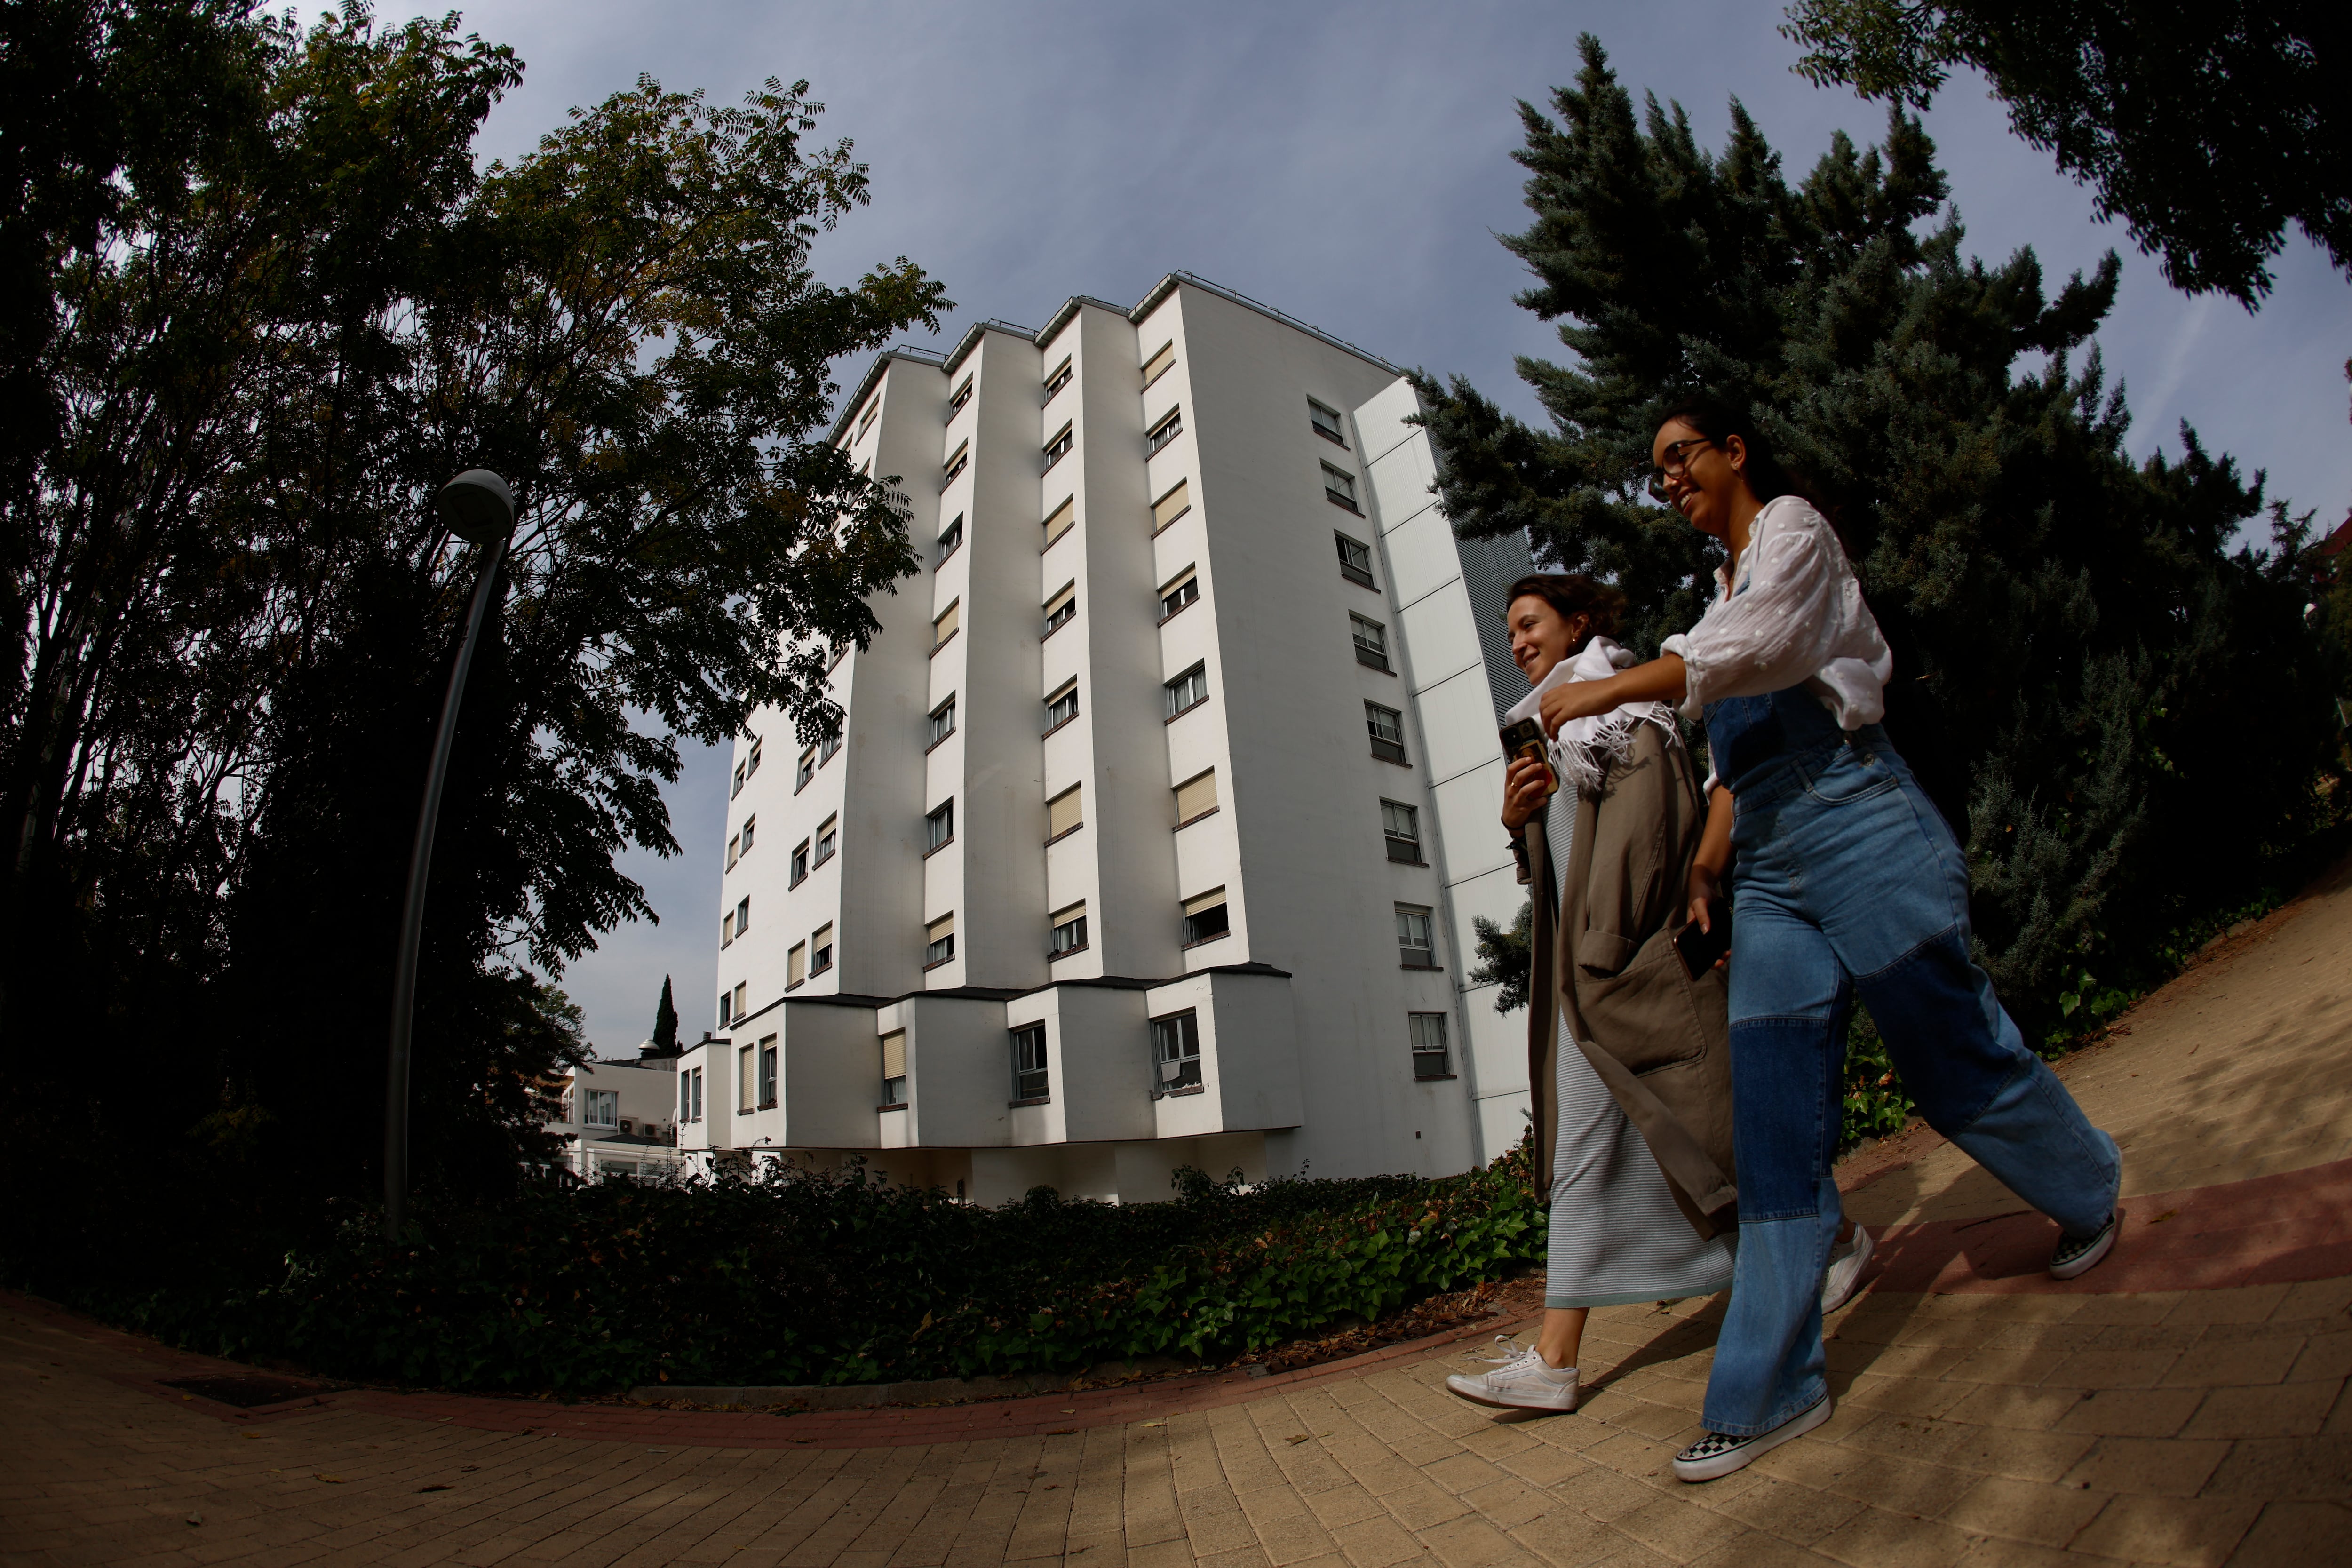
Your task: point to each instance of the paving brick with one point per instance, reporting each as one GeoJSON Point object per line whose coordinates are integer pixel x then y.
{"type": "Point", "coordinates": [2288, 1532]}
{"type": "Point", "coordinates": [2291, 1409]}
{"type": "Point", "coordinates": [2192, 1533]}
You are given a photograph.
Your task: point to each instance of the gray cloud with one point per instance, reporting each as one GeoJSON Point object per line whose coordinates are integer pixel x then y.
{"type": "Point", "coordinates": [1349, 164]}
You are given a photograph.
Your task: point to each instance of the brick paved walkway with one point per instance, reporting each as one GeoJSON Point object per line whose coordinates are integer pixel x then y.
{"type": "Point", "coordinates": [2184, 1403]}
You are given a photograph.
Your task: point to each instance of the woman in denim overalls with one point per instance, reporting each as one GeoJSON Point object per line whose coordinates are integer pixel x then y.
{"type": "Point", "coordinates": [1847, 881]}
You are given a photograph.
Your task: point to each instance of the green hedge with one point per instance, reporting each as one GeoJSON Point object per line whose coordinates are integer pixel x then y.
{"type": "Point", "coordinates": [791, 1278]}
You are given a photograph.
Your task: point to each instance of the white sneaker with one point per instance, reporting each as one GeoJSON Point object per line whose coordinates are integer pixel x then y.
{"type": "Point", "coordinates": [1524, 1381]}
{"type": "Point", "coordinates": [1845, 1272]}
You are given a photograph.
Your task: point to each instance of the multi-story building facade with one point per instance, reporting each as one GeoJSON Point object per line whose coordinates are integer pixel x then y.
{"type": "Point", "coordinates": [1165, 797]}
{"type": "Point", "coordinates": [618, 1118]}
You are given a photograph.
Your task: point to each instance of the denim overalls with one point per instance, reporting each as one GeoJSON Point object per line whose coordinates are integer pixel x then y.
{"type": "Point", "coordinates": [1847, 881]}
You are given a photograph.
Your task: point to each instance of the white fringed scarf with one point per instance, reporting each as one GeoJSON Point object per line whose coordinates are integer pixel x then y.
{"type": "Point", "coordinates": [1584, 748]}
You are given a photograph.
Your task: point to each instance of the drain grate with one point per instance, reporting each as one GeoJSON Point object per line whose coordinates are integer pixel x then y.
{"type": "Point", "coordinates": [246, 1391]}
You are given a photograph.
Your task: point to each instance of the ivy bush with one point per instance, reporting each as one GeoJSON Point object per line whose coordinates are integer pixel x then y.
{"type": "Point", "coordinates": [792, 1276]}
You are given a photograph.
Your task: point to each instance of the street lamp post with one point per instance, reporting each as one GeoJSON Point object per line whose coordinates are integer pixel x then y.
{"type": "Point", "coordinates": [480, 509]}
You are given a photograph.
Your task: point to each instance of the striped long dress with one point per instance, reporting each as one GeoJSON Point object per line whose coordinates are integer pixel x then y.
{"type": "Point", "coordinates": [1616, 1235]}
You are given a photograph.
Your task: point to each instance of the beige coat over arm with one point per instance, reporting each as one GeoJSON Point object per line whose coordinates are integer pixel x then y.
{"type": "Point", "coordinates": [1659, 1039]}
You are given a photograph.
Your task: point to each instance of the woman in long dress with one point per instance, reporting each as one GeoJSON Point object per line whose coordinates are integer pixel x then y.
{"type": "Point", "coordinates": [1609, 854]}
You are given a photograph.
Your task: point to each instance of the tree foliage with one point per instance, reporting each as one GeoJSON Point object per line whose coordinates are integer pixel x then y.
{"type": "Point", "coordinates": [2119, 706]}
{"type": "Point", "coordinates": [2206, 125]}
{"type": "Point", "coordinates": [275, 304]}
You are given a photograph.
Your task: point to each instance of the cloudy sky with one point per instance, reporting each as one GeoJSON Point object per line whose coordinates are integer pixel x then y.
{"type": "Point", "coordinates": [1349, 164]}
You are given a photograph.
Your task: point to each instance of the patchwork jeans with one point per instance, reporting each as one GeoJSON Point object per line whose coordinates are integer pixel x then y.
{"type": "Point", "coordinates": [1847, 882]}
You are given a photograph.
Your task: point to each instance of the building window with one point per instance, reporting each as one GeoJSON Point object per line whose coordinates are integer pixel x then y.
{"type": "Point", "coordinates": [827, 837]}
{"type": "Point", "coordinates": [956, 464]}
{"type": "Point", "coordinates": [807, 771]}
{"type": "Point", "coordinates": [1371, 642]}
{"type": "Point", "coordinates": [742, 916]}
{"type": "Point", "coordinates": [1355, 560]}
{"type": "Point", "coordinates": [894, 1070]}
{"type": "Point", "coordinates": [1429, 1054]}
{"type": "Point", "coordinates": [742, 1005]}
{"type": "Point", "coordinates": [1059, 379]}
{"type": "Point", "coordinates": [1159, 364]}
{"type": "Point", "coordinates": [749, 823]}
{"type": "Point", "coordinates": [1196, 797]}
{"type": "Point", "coordinates": [698, 1094]}
{"type": "Point", "coordinates": [829, 748]}
{"type": "Point", "coordinates": [752, 765]}
{"type": "Point", "coordinates": [1069, 930]}
{"type": "Point", "coordinates": [1062, 707]}
{"type": "Point", "coordinates": [1401, 825]}
{"type": "Point", "coordinates": [1058, 447]}
{"type": "Point", "coordinates": [1171, 426]}
{"type": "Point", "coordinates": [951, 539]}
{"type": "Point", "coordinates": [726, 931]}
{"type": "Point", "coordinates": [1187, 691]}
{"type": "Point", "coordinates": [938, 829]}
{"type": "Point", "coordinates": [726, 1008]}
{"type": "Point", "coordinates": [962, 396]}
{"type": "Point", "coordinates": [1415, 948]}
{"type": "Point", "coordinates": [1387, 728]}
{"type": "Point", "coordinates": [737, 786]}
{"type": "Point", "coordinates": [945, 626]}
{"type": "Point", "coordinates": [1176, 1052]}
{"type": "Point", "coordinates": [821, 945]}
{"type": "Point", "coordinates": [746, 1065]}
{"type": "Point", "coordinates": [767, 1073]}
{"type": "Point", "coordinates": [734, 850]}
{"type": "Point", "coordinates": [604, 1107]}
{"type": "Point", "coordinates": [1061, 610]}
{"type": "Point", "coordinates": [1340, 488]}
{"type": "Point", "coordinates": [943, 724]}
{"type": "Point", "coordinates": [799, 862]}
{"type": "Point", "coordinates": [796, 965]}
{"type": "Point", "coordinates": [1060, 520]}
{"type": "Point", "coordinates": [1326, 422]}
{"type": "Point", "coordinates": [1066, 813]}
{"type": "Point", "coordinates": [939, 941]}
{"type": "Point", "coordinates": [866, 420]}
{"type": "Point", "coordinates": [686, 1097]}
{"type": "Point", "coordinates": [1030, 1080]}
{"type": "Point", "coordinates": [1184, 590]}
{"type": "Point", "coordinates": [1175, 503]}
{"type": "Point", "coordinates": [1205, 918]}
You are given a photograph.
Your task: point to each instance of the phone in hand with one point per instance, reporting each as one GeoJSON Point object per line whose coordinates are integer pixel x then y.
{"type": "Point", "coordinates": [1702, 949]}
{"type": "Point", "coordinates": [1526, 739]}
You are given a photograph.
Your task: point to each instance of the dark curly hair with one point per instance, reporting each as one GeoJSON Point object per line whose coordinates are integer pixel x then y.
{"type": "Point", "coordinates": [1573, 593]}
{"type": "Point", "coordinates": [1767, 475]}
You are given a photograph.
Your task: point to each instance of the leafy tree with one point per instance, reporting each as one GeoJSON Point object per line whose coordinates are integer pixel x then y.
{"type": "Point", "coordinates": [665, 1040]}
{"type": "Point", "coordinates": [2206, 125]}
{"type": "Point", "coordinates": [2085, 662]}
{"type": "Point", "coordinates": [1503, 960]}
{"type": "Point", "coordinates": [233, 609]}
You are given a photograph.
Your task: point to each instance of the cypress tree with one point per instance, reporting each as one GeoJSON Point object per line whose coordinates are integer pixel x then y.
{"type": "Point", "coordinates": [664, 1041]}
{"type": "Point", "coordinates": [2114, 702]}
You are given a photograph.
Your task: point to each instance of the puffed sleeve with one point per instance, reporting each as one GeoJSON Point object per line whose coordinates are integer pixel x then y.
{"type": "Point", "coordinates": [1783, 626]}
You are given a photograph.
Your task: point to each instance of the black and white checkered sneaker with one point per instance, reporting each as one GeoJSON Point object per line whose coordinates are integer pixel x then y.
{"type": "Point", "coordinates": [1719, 1454]}
{"type": "Point", "coordinates": [2077, 1255]}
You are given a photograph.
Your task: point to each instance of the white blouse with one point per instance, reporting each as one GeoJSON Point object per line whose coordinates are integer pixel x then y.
{"type": "Point", "coordinates": [1800, 621]}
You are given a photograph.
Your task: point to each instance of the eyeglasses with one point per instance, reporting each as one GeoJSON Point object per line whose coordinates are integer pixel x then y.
{"type": "Point", "coordinates": [1673, 466]}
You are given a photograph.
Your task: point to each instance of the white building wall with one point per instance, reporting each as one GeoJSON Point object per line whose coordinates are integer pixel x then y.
{"type": "Point", "coordinates": [1302, 1006]}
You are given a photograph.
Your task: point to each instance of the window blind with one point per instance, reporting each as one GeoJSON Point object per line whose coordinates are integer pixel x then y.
{"type": "Point", "coordinates": [1173, 505]}
{"type": "Point", "coordinates": [1196, 797]}
{"type": "Point", "coordinates": [1065, 811]}
{"type": "Point", "coordinates": [1158, 364]}
{"type": "Point", "coordinates": [944, 627]}
{"type": "Point", "coordinates": [1205, 901]}
{"type": "Point", "coordinates": [1063, 516]}
{"type": "Point", "coordinates": [894, 1053]}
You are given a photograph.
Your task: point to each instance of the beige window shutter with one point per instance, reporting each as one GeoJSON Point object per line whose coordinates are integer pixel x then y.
{"type": "Point", "coordinates": [797, 970]}
{"type": "Point", "coordinates": [1196, 797]}
{"type": "Point", "coordinates": [1065, 811]}
{"type": "Point", "coordinates": [1063, 516]}
{"type": "Point", "coordinates": [944, 627]}
{"type": "Point", "coordinates": [1173, 505]}
{"type": "Point", "coordinates": [1156, 365]}
{"type": "Point", "coordinates": [894, 1053]}
{"type": "Point", "coordinates": [941, 927]}
{"type": "Point", "coordinates": [1064, 917]}
{"type": "Point", "coordinates": [743, 1079]}
{"type": "Point", "coordinates": [1058, 600]}
{"type": "Point", "coordinates": [1209, 901]}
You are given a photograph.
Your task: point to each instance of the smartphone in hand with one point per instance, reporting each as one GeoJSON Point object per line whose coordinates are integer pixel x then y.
{"type": "Point", "coordinates": [1526, 739]}
{"type": "Point", "coordinates": [1702, 949]}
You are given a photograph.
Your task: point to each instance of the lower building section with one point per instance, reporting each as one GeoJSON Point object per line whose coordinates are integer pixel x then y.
{"type": "Point", "coordinates": [1101, 1088]}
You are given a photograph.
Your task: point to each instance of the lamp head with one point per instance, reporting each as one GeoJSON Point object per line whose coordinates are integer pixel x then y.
{"type": "Point", "coordinates": [478, 506]}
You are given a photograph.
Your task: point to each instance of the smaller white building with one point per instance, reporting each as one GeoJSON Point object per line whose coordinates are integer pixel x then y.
{"type": "Point", "coordinates": [619, 1119]}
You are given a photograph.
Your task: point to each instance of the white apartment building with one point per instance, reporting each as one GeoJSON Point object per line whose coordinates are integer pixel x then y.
{"type": "Point", "coordinates": [618, 1118]}
{"type": "Point", "coordinates": [1165, 796]}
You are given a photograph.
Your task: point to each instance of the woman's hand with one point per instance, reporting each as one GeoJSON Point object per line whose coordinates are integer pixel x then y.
{"type": "Point", "coordinates": [1575, 700]}
{"type": "Point", "coordinates": [1704, 888]}
{"type": "Point", "coordinates": [1662, 679]}
{"type": "Point", "coordinates": [1525, 786]}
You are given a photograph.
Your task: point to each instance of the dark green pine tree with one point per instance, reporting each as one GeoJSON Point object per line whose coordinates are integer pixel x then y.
{"type": "Point", "coordinates": [665, 1040]}
{"type": "Point", "coordinates": [2112, 701]}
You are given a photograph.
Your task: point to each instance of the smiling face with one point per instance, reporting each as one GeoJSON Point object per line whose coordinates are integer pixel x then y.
{"type": "Point", "coordinates": [1541, 636]}
{"type": "Point", "coordinates": [1704, 479]}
